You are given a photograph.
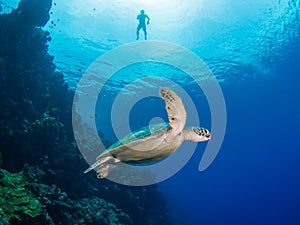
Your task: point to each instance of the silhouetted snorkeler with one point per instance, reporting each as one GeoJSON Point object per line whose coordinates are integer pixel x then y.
{"type": "Point", "coordinates": [142, 24]}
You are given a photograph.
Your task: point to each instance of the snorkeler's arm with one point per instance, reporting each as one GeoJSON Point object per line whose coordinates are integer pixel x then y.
{"type": "Point", "coordinates": [148, 19]}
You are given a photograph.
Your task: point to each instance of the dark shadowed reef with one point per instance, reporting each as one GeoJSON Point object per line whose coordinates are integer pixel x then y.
{"type": "Point", "coordinates": [41, 169]}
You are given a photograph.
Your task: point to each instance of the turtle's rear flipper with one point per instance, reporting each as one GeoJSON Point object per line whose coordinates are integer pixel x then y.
{"type": "Point", "coordinates": [102, 161]}
{"type": "Point", "coordinates": [105, 169]}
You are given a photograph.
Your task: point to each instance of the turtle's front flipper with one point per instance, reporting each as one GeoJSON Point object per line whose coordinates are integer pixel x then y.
{"type": "Point", "coordinates": [103, 162]}
{"type": "Point", "coordinates": [175, 109]}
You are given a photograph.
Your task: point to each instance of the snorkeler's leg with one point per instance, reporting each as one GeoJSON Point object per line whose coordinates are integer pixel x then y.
{"type": "Point", "coordinates": [138, 32]}
{"type": "Point", "coordinates": [145, 33]}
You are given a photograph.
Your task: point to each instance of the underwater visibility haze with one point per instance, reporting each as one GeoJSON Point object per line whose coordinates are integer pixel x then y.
{"type": "Point", "coordinates": [250, 49]}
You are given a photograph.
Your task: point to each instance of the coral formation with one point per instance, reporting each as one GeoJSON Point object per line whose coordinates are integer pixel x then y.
{"type": "Point", "coordinates": [22, 200]}
{"type": "Point", "coordinates": [41, 176]}
{"type": "Point", "coordinates": [16, 201]}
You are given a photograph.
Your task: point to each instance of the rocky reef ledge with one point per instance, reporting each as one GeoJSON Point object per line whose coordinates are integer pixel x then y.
{"type": "Point", "coordinates": [41, 169]}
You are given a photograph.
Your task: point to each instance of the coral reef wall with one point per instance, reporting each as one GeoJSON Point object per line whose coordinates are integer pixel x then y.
{"type": "Point", "coordinates": [41, 169]}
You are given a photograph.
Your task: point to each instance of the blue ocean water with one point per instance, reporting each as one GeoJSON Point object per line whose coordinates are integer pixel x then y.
{"type": "Point", "coordinates": [253, 48]}
{"type": "Point", "coordinates": [255, 177]}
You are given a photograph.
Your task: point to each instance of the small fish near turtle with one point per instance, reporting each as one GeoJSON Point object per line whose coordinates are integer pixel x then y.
{"type": "Point", "coordinates": [153, 143]}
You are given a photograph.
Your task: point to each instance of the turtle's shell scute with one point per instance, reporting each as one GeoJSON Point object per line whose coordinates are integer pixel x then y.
{"type": "Point", "coordinates": [139, 134]}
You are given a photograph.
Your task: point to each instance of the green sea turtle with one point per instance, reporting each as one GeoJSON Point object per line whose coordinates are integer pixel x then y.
{"type": "Point", "coordinates": [151, 143]}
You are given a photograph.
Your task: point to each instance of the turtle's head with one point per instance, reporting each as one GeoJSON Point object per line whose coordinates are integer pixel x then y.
{"type": "Point", "coordinates": [196, 134]}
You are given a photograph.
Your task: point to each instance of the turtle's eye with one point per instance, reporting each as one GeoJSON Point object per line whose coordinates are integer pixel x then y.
{"type": "Point", "coordinates": [202, 132]}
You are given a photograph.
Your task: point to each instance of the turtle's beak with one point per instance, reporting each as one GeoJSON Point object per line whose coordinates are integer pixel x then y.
{"type": "Point", "coordinates": [208, 136]}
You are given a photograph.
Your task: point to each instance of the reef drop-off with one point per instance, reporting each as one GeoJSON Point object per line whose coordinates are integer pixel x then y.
{"type": "Point", "coordinates": [41, 169]}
